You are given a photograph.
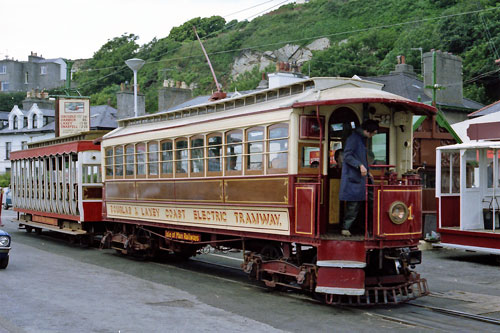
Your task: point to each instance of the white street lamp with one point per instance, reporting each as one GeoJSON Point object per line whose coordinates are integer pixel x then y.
{"type": "Point", "coordinates": [135, 64]}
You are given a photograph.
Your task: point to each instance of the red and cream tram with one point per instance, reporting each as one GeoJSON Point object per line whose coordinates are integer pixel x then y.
{"type": "Point", "coordinates": [256, 172]}
{"type": "Point", "coordinates": [56, 184]}
{"type": "Point", "coordinates": [467, 191]}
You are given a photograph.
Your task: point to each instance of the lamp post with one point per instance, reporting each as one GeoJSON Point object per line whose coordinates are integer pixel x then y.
{"type": "Point", "coordinates": [135, 64]}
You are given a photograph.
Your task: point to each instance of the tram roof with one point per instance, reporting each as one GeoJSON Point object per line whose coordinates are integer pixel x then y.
{"type": "Point", "coordinates": [307, 92]}
{"type": "Point", "coordinates": [73, 143]}
{"type": "Point", "coordinates": [472, 145]}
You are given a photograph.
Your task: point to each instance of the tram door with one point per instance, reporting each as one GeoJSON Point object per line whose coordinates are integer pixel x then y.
{"type": "Point", "coordinates": [341, 124]}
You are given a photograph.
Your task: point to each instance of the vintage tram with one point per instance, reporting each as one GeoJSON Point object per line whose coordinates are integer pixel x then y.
{"type": "Point", "coordinates": [56, 184]}
{"type": "Point", "coordinates": [467, 191]}
{"type": "Point", "coordinates": [256, 172]}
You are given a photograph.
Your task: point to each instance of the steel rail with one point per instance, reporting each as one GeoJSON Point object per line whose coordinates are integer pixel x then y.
{"type": "Point", "coordinates": [458, 314]}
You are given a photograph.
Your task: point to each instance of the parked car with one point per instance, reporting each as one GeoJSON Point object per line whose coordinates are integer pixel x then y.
{"type": "Point", "coordinates": [7, 199]}
{"type": "Point", "coordinates": [4, 249]}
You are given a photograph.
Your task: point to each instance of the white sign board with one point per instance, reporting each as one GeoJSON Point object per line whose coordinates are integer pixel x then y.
{"type": "Point", "coordinates": [74, 116]}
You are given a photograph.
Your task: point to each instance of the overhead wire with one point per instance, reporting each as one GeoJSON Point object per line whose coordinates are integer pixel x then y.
{"type": "Point", "coordinates": [320, 36]}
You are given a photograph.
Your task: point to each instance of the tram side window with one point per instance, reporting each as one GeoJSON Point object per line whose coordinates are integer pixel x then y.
{"type": "Point", "coordinates": [255, 150]}
{"type": "Point", "coordinates": [109, 162]}
{"type": "Point", "coordinates": [140, 157]}
{"type": "Point", "coordinates": [197, 155]}
{"type": "Point", "coordinates": [379, 145]}
{"type": "Point", "coordinates": [153, 159]}
{"type": "Point", "coordinates": [234, 150]}
{"type": "Point", "coordinates": [91, 174]}
{"type": "Point", "coordinates": [167, 158]}
{"type": "Point", "coordinates": [309, 156]}
{"type": "Point", "coordinates": [472, 168]}
{"type": "Point", "coordinates": [278, 148]}
{"type": "Point", "coordinates": [214, 153]}
{"type": "Point", "coordinates": [181, 157]}
{"type": "Point", "coordinates": [118, 162]}
{"type": "Point", "coordinates": [129, 161]}
{"type": "Point", "coordinates": [455, 170]}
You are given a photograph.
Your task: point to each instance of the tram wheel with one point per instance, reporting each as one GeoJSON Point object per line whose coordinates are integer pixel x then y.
{"type": "Point", "coordinates": [28, 229]}
{"type": "Point", "coordinates": [271, 251]}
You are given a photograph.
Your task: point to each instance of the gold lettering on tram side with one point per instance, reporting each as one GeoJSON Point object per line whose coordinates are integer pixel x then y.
{"type": "Point", "coordinates": [209, 216]}
{"type": "Point", "coordinates": [175, 214]}
{"type": "Point", "coordinates": [263, 219]}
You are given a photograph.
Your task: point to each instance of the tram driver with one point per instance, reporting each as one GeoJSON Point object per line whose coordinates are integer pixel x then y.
{"type": "Point", "coordinates": [355, 172]}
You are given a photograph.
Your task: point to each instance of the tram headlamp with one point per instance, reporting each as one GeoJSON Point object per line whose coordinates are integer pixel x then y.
{"type": "Point", "coordinates": [4, 241]}
{"type": "Point", "coordinates": [398, 212]}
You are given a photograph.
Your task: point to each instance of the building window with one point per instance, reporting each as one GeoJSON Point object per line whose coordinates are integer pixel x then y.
{"type": "Point", "coordinates": [43, 70]}
{"type": "Point", "coordinates": [24, 145]}
{"type": "Point", "coordinates": [15, 122]}
{"type": "Point", "coordinates": [4, 86]}
{"type": "Point", "coordinates": [26, 78]}
{"type": "Point", "coordinates": [3, 69]}
{"type": "Point", "coordinates": [8, 149]}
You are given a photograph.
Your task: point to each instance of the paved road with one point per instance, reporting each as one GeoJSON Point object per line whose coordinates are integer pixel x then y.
{"type": "Point", "coordinates": [52, 286]}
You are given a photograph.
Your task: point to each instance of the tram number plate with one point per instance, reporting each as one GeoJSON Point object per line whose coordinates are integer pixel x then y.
{"type": "Point", "coordinates": [185, 236]}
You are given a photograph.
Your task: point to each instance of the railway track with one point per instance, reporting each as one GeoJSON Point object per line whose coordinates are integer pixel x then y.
{"type": "Point", "coordinates": [412, 314]}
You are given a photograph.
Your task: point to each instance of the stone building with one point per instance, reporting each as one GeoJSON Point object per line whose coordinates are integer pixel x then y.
{"type": "Point", "coordinates": [35, 74]}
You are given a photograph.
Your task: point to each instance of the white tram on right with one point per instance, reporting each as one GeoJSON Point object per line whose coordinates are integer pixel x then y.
{"type": "Point", "coordinates": [468, 196]}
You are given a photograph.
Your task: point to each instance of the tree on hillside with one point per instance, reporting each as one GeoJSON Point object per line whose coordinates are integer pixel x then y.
{"type": "Point", "coordinates": [204, 26]}
{"type": "Point", "coordinates": [107, 66]}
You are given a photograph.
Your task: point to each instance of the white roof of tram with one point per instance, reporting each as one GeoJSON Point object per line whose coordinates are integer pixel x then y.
{"type": "Point", "coordinates": [314, 91]}
{"type": "Point", "coordinates": [472, 145]}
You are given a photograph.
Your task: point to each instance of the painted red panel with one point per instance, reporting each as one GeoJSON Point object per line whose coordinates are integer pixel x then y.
{"type": "Point", "coordinates": [63, 148]}
{"type": "Point", "coordinates": [342, 250]}
{"type": "Point", "coordinates": [384, 197]}
{"type": "Point", "coordinates": [92, 211]}
{"type": "Point", "coordinates": [47, 214]}
{"type": "Point", "coordinates": [479, 239]}
{"type": "Point", "coordinates": [334, 277]}
{"type": "Point", "coordinates": [450, 211]}
{"type": "Point", "coordinates": [305, 207]}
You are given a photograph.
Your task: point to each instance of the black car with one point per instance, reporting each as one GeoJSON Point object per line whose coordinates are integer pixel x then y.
{"type": "Point", "coordinates": [4, 249]}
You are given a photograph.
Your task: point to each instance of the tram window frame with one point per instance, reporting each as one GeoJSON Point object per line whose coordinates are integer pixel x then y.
{"type": "Point", "coordinates": [119, 168]}
{"type": "Point", "coordinates": [108, 163]}
{"type": "Point", "coordinates": [216, 147]}
{"type": "Point", "coordinates": [140, 160]}
{"type": "Point", "coordinates": [472, 179]}
{"type": "Point", "coordinates": [302, 167]}
{"type": "Point", "coordinates": [166, 159]}
{"type": "Point", "coordinates": [237, 157]}
{"type": "Point", "coordinates": [181, 157]}
{"type": "Point", "coordinates": [196, 169]}
{"type": "Point", "coordinates": [248, 154]}
{"type": "Point", "coordinates": [129, 161]}
{"type": "Point", "coordinates": [153, 163]}
{"type": "Point", "coordinates": [281, 153]}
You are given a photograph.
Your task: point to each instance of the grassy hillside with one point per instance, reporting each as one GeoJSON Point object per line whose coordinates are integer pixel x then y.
{"type": "Point", "coordinates": [366, 37]}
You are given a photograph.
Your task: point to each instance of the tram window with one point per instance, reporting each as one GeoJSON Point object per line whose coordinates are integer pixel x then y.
{"type": "Point", "coordinates": [197, 161]}
{"type": "Point", "coordinates": [140, 156]}
{"type": "Point", "coordinates": [181, 157]}
{"type": "Point", "coordinates": [129, 161]}
{"type": "Point", "coordinates": [91, 174]}
{"type": "Point", "coordinates": [234, 150]}
{"type": "Point", "coordinates": [153, 159]}
{"type": "Point", "coordinates": [109, 162]}
{"type": "Point", "coordinates": [379, 144]}
{"type": "Point", "coordinates": [309, 156]}
{"type": "Point", "coordinates": [166, 158]}
{"type": "Point", "coordinates": [118, 162]}
{"type": "Point", "coordinates": [445, 172]}
{"type": "Point", "coordinates": [255, 149]}
{"type": "Point", "coordinates": [472, 168]}
{"type": "Point", "coordinates": [214, 153]}
{"type": "Point", "coordinates": [278, 148]}
{"type": "Point", "coordinates": [455, 170]}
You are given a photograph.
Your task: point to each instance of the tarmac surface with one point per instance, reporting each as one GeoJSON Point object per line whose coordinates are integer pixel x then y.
{"type": "Point", "coordinates": [53, 286]}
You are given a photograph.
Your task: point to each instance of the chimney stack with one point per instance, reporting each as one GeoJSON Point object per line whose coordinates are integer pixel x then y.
{"type": "Point", "coordinates": [448, 77]}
